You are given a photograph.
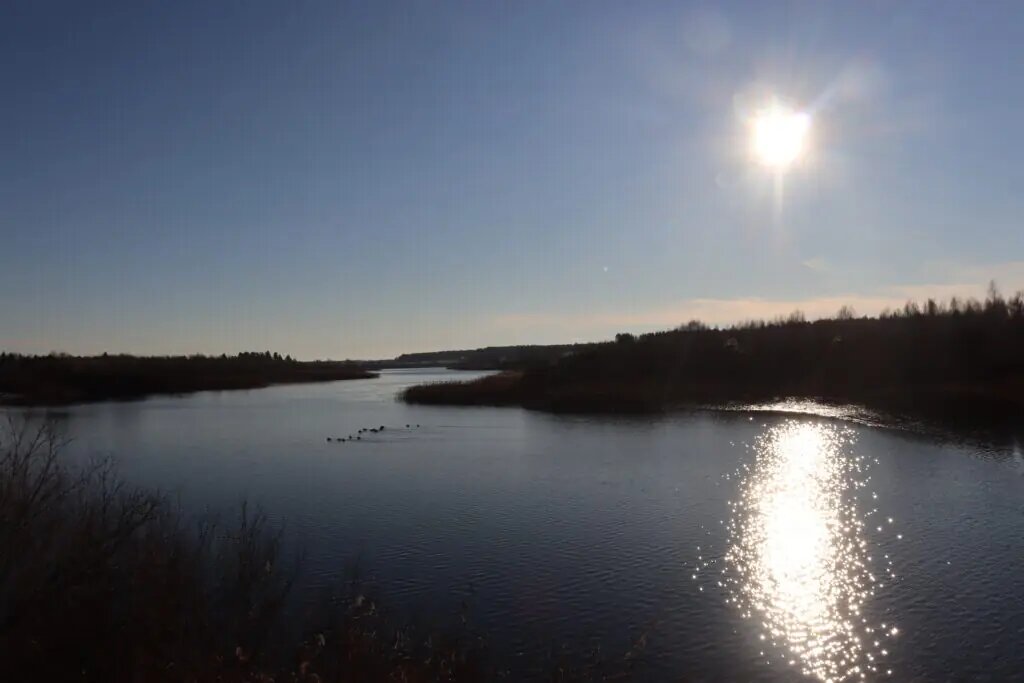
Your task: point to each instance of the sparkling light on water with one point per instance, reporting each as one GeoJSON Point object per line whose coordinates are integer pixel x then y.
{"type": "Point", "coordinates": [798, 559]}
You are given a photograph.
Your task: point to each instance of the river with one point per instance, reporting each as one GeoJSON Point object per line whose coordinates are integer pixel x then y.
{"type": "Point", "coordinates": [742, 545]}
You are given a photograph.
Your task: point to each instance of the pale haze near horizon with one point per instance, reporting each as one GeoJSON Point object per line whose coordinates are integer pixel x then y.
{"type": "Point", "coordinates": [339, 180]}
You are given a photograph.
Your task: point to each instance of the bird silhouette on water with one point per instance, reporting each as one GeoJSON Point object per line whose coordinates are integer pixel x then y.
{"type": "Point", "coordinates": [367, 430]}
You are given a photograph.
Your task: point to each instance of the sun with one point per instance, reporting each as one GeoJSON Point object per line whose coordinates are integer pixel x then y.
{"type": "Point", "coordinates": [779, 136]}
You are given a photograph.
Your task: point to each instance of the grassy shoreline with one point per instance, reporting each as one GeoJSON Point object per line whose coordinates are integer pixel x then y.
{"type": "Point", "coordinates": [61, 379]}
{"type": "Point", "coordinates": [976, 404]}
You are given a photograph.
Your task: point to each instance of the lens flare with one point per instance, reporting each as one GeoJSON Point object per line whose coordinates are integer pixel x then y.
{"type": "Point", "coordinates": [779, 136]}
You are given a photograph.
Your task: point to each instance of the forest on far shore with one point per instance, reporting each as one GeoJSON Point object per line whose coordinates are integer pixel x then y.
{"type": "Point", "coordinates": [956, 360]}
{"type": "Point", "coordinates": [59, 378]}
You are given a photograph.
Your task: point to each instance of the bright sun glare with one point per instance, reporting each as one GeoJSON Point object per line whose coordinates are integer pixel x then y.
{"type": "Point", "coordinates": [779, 136]}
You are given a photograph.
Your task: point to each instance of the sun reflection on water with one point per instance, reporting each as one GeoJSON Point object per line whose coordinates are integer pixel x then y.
{"type": "Point", "coordinates": [798, 556]}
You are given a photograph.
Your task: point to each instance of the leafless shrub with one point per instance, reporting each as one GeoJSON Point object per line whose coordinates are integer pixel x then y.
{"type": "Point", "coordinates": [104, 582]}
{"type": "Point", "coordinates": [90, 567]}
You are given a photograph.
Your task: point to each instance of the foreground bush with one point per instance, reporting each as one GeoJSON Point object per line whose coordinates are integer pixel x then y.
{"type": "Point", "coordinates": [103, 582]}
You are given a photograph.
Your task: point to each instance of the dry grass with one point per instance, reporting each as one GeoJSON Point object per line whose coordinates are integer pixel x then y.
{"type": "Point", "coordinates": [503, 388]}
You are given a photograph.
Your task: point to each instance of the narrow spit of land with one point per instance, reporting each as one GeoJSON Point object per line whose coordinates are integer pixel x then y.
{"type": "Point", "coordinates": [61, 379]}
{"type": "Point", "coordinates": [959, 361]}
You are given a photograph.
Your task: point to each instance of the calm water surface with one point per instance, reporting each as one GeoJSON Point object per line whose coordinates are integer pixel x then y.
{"type": "Point", "coordinates": [743, 545]}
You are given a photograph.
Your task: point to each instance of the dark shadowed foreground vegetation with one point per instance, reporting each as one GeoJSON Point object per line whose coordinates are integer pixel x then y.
{"type": "Point", "coordinates": [102, 582]}
{"type": "Point", "coordinates": [59, 378]}
{"type": "Point", "coordinates": [962, 360]}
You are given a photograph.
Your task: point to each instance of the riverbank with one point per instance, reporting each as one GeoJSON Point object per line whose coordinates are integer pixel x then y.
{"type": "Point", "coordinates": [61, 379]}
{"type": "Point", "coordinates": [958, 363]}
{"type": "Point", "coordinates": [971, 405]}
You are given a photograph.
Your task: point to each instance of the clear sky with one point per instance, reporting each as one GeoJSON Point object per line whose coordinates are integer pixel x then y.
{"type": "Point", "coordinates": [357, 180]}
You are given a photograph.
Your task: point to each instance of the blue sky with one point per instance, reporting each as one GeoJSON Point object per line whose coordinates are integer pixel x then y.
{"type": "Point", "coordinates": [362, 179]}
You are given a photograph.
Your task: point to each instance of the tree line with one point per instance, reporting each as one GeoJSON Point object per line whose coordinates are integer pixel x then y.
{"type": "Point", "coordinates": [956, 359]}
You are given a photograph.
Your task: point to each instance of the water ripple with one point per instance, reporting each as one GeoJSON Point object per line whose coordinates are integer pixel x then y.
{"type": "Point", "coordinates": [799, 558]}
